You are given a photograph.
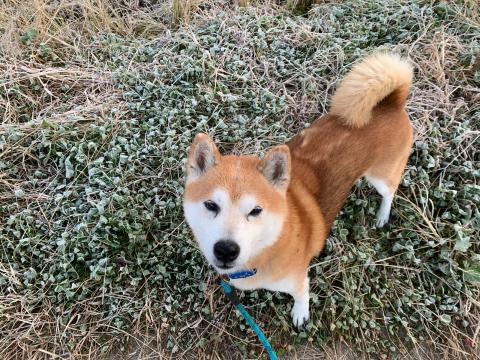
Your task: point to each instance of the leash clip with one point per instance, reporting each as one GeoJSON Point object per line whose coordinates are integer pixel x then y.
{"type": "Point", "coordinates": [230, 292]}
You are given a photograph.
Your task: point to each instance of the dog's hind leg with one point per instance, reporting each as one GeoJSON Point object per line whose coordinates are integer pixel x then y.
{"type": "Point", "coordinates": [385, 177]}
{"type": "Point", "coordinates": [387, 191]}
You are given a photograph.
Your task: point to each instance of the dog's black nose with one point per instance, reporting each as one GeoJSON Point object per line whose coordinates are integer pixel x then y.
{"type": "Point", "coordinates": [226, 250]}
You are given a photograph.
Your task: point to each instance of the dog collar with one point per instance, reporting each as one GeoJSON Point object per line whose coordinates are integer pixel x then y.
{"type": "Point", "coordinates": [242, 274]}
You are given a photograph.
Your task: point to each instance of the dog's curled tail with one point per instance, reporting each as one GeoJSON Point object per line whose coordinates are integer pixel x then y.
{"type": "Point", "coordinates": [380, 77]}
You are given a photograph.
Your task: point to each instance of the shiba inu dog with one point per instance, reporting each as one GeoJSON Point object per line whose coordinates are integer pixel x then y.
{"type": "Point", "coordinates": [274, 214]}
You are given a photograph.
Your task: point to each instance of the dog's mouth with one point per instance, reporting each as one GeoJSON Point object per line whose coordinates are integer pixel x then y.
{"type": "Point", "coordinates": [225, 266]}
{"type": "Point", "coordinates": [221, 266]}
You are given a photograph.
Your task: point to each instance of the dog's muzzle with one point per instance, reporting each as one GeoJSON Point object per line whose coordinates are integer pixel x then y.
{"type": "Point", "coordinates": [226, 251]}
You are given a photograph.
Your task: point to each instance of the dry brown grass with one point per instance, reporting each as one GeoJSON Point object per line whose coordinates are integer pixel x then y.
{"type": "Point", "coordinates": [182, 10]}
{"type": "Point", "coordinates": [68, 25]}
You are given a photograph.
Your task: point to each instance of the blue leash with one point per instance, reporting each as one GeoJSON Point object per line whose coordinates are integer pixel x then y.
{"type": "Point", "coordinates": [231, 294]}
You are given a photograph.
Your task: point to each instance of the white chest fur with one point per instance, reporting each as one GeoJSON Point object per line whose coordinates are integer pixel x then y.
{"type": "Point", "coordinates": [293, 285]}
{"type": "Point", "coordinates": [288, 284]}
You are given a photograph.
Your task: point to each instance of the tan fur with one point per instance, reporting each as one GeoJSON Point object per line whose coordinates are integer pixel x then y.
{"type": "Point", "coordinates": [367, 84]}
{"type": "Point", "coordinates": [367, 133]}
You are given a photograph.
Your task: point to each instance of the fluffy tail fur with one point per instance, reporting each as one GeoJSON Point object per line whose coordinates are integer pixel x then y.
{"type": "Point", "coordinates": [378, 77]}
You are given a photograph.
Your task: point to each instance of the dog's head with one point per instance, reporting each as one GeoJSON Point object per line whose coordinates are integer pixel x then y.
{"type": "Point", "coordinates": [235, 205]}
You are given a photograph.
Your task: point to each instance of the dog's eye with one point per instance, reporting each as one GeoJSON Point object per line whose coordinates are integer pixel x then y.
{"type": "Point", "coordinates": [256, 211]}
{"type": "Point", "coordinates": [211, 206]}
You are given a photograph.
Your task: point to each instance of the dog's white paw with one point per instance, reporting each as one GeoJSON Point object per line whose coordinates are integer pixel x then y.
{"type": "Point", "coordinates": [300, 314]}
{"type": "Point", "coordinates": [382, 219]}
{"type": "Point", "coordinates": [383, 214]}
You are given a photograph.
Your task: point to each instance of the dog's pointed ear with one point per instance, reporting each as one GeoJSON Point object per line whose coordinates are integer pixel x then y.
{"type": "Point", "coordinates": [202, 156]}
{"type": "Point", "coordinates": [276, 167]}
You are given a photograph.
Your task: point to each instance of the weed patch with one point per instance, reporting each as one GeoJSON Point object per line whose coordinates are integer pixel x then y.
{"type": "Point", "coordinates": [94, 251]}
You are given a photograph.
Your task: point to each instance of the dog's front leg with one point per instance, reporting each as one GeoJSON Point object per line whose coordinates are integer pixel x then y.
{"type": "Point", "coordinates": [300, 309]}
